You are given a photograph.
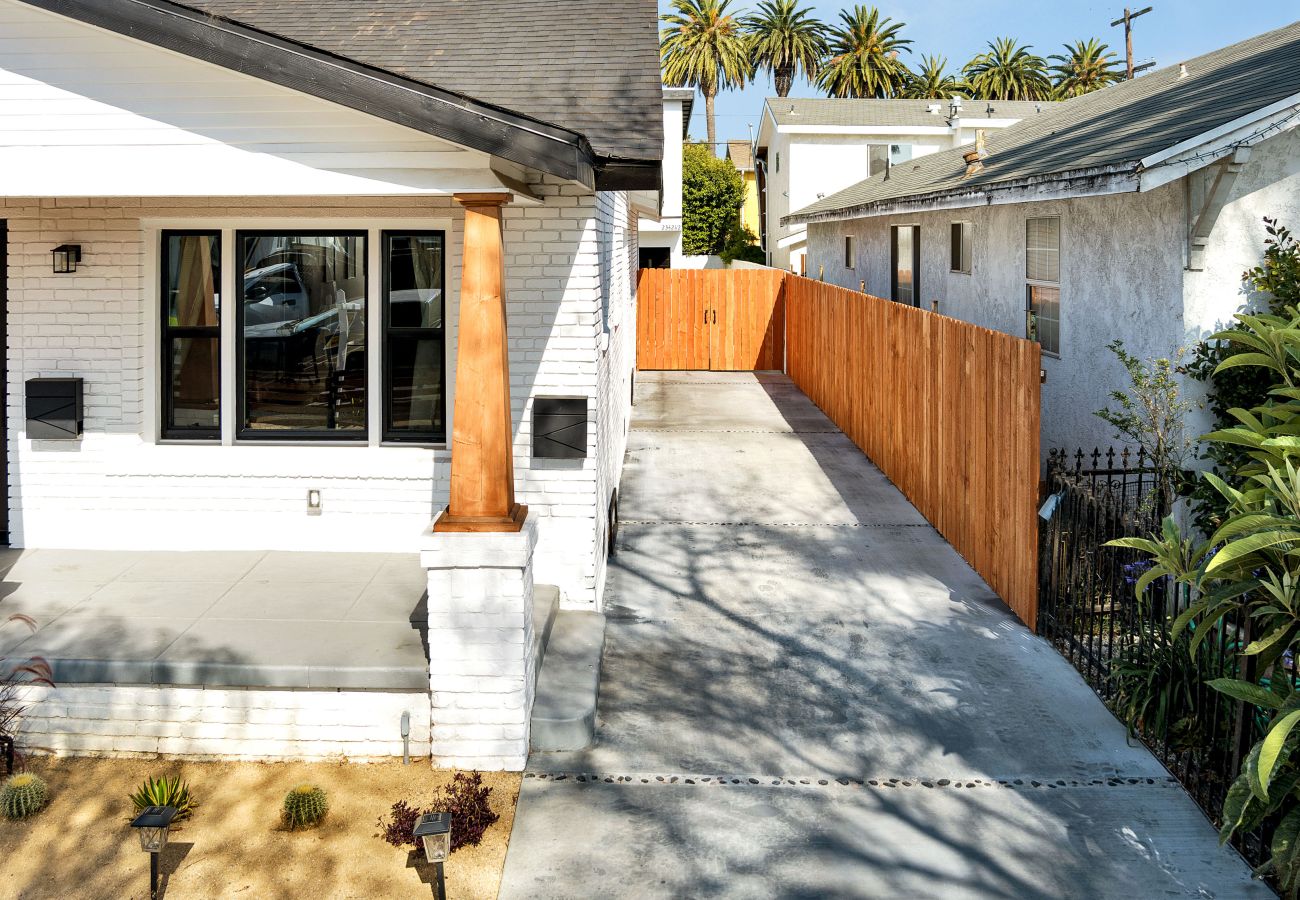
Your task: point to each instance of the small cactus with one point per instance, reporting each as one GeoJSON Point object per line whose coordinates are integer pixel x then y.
{"type": "Point", "coordinates": [23, 796]}
{"type": "Point", "coordinates": [305, 806]}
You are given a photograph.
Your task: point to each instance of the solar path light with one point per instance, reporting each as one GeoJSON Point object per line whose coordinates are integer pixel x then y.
{"type": "Point", "coordinates": [152, 827]}
{"type": "Point", "coordinates": [434, 832]}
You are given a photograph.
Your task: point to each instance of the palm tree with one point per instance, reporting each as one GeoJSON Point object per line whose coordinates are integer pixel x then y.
{"type": "Point", "coordinates": [786, 40]}
{"type": "Point", "coordinates": [1086, 66]}
{"type": "Point", "coordinates": [1008, 71]}
{"type": "Point", "coordinates": [864, 56]}
{"type": "Point", "coordinates": [931, 82]}
{"type": "Point", "coordinates": [704, 46]}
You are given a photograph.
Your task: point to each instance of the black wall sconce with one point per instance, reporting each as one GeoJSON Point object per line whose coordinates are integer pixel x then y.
{"type": "Point", "coordinates": [66, 257]}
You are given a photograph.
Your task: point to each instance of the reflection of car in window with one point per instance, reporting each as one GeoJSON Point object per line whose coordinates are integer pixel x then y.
{"type": "Point", "coordinates": [274, 294]}
{"type": "Point", "coordinates": [415, 308]}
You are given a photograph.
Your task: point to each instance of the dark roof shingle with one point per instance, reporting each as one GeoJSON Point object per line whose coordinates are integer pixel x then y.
{"type": "Point", "coordinates": [591, 66]}
{"type": "Point", "coordinates": [1113, 129]}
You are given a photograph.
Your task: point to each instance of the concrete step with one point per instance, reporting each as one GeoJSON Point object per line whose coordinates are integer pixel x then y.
{"type": "Point", "coordinates": [564, 713]}
{"type": "Point", "coordinates": [546, 603]}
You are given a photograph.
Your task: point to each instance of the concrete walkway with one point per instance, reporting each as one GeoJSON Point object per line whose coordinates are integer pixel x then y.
{"type": "Point", "coordinates": [807, 693]}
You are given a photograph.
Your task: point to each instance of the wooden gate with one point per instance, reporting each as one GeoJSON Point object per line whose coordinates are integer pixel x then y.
{"type": "Point", "coordinates": [722, 320]}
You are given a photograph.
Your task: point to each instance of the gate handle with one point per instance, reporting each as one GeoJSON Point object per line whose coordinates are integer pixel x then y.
{"type": "Point", "coordinates": [715, 317]}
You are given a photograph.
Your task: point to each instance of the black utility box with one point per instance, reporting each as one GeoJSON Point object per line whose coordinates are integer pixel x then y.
{"type": "Point", "coordinates": [54, 409]}
{"type": "Point", "coordinates": [559, 428]}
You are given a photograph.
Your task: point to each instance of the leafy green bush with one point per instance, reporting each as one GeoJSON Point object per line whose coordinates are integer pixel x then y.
{"type": "Point", "coordinates": [165, 792]}
{"type": "Point", "coordinates": [712, 191]}
{"type": "Point", "coordinates": [23, 796]}
{"type": "Point", "coordinates": [1246, 575]}
{"type": "Point", "coordinates": [305, 807]}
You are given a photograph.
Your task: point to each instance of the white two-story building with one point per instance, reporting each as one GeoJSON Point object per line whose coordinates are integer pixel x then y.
{"type": "Point", "coordinates": [809, 149]}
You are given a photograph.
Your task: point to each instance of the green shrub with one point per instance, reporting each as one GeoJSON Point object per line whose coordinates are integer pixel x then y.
{"type": "Point", "coordinates": [305, 807]}
{"type": "Point", "coordinates": [712, 191]}
{"type": "Point", "coordinates": [23, 796]}
{"type": "Point", "coordinates": [166, 792]}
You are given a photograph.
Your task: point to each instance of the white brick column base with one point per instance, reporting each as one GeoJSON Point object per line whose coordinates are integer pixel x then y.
{"type": "Point", "coordinates": [481, 648]}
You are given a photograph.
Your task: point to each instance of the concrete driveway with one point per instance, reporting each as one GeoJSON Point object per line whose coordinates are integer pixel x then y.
{"type": "Point", "coordinates": [807, 693]}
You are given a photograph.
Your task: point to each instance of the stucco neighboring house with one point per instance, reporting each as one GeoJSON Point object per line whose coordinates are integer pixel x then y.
{"type": "Point", "coordinates": [659, 226]}
{"type": "Point", "coordinates": [808, 149]}
{"type": "Point", "coordinates": [1127, 213]}
{"type": "Point", "coordinates": [418, 217]}
{"type": "Point", "coordinates": [741, 154]}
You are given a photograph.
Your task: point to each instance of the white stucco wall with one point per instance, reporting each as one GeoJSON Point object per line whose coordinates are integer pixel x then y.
{"type": "Point", "coordinates": [1122, 276]}
{"type": "Point", "coordinates": [118, 488]}
{"type": "Point", "coordinates": [666, 231]}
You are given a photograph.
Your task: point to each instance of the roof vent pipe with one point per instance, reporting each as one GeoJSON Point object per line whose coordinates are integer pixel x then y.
{"type": "Point", "coordinates": [1182, 70]}
{"type": "Point", "coordinates": [973, 163]}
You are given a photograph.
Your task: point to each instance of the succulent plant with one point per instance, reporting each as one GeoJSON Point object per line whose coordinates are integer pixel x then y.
{"type": "Point", "coordinates": [165, 792]}
{"type": "Point", "coordinates": [23, 796]}
{"type": "Point", "coordinates": [305, 806]}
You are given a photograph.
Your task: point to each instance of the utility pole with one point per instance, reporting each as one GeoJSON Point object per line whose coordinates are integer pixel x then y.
{"type": "Point", "coordinates": [1127, 22]}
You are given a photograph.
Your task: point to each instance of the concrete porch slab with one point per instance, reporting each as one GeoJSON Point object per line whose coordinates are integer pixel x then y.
{"type": "Point", "coordinates": [282, 620]}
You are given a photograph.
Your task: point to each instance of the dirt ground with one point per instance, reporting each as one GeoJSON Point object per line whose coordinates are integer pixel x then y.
{"type": "Point", "coordinates": [234, 845]}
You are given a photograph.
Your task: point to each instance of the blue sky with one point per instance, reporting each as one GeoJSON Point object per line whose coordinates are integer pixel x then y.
{"type": "Point", "coordinates": [958, 29]}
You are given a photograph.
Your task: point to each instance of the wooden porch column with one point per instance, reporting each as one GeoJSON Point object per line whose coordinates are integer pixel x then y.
{"type": "Point", "coordinates": [482, 452]}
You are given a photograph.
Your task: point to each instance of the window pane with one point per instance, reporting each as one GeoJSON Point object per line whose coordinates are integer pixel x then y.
{"type": "Point", "coordinates": [195, 400]}
{"type": "Point", "coordinates": [1043, 249]}
{"type": "Point", "coordinates": [303, 321]}
{"type": "Point", "coordinates": [1045, 317]}
{"type": "Point", "coordinates": [878, 156]}
{"type": "Point", "coordinates": [967, 246]}
{"type": "Point", "coordinates": [414, 348]}
{"type": "Point", "coordinates": [904, 277]}
{"type": "Point", "coordinates": [415, 281]}
{"type": "Point", "coordinates": [193, 280]}
{"type": "Point", "coordinates": [415, 380]}
{"type": "Point", "coordinates": [954, 246]}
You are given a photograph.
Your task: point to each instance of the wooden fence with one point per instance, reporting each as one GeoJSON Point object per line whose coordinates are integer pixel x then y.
{"type": "Point", "coordinates": [947, 410]}
{"type": "Point", "coordinates": [721, 319]}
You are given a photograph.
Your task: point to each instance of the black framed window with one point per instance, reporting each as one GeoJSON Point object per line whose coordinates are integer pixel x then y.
{"type": "Point", "coordinates": [413, 303]}
{"type": "Point", "coordinates": [191, 335]}
{"type": "Point", "coordinates": [301, 333]}
{"type": "Point", "coordinates": [905, 264]}
{"type": "Point", "coordinates": [849, 260]}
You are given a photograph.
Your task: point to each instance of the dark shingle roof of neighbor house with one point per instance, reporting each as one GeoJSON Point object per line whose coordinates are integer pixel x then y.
{"type": "Point", "coordinates": [741, 155]}
{"type": "Point", "coordinates": [1109, 130]}
{"type": "Point", "coordinates": [536, 81]}
{"type": "Point", "coordinates": [847, 111]}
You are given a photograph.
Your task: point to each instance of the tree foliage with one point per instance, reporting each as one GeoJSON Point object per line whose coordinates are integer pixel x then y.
{"type": "Point", "coordinates": [704, 45]}
{"type": "Point", "coordinates": [1008, 71]}
{"type": "Point", "coordinates": [1084, 67]}
{"type": "Point", "coordinates": [932, 81]}
{"type": "Point", "coordinates": [712, 191]}
{"type": "Point", "coordinates": [785, 39]}
{"type": "Point", "coordinates": [864, 56]}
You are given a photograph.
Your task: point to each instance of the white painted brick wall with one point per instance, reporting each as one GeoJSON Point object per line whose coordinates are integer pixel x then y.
{"type": "Point", "coordinates": [483, 653]}
{"type": "Point", "coordinates": [116, 490]}
{"type": "Point", "coordinates": [128, 720]}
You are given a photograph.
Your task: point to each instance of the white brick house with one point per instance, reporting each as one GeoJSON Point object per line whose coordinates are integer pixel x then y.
{"type": "Point", "coordinates": [315, 166]}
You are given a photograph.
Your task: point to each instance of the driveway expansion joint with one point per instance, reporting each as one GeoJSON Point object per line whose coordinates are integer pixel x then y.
{"type": "Point", "coordinates": [770, 781]}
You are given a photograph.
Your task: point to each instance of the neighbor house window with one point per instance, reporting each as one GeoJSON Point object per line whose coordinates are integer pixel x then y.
{"type": "Point", "coordinates": [301, 333]}
{"type": "Point", "coordinates": [1043, 282]}
{"type": "Point", "coordinates": [191, 335]}
{"type": "Point", "coordinates": [877, 158]}
{"type": "Point", "coordinates": [778, 162]}
{"type": "Point", "coordinates": [905, 264]}
{"type": "Point", "coordinates": [960, 250]}
{"type": "Point", "coordinates": [413, 304]}
{"type": "Point", "coordinates": [848, 251]}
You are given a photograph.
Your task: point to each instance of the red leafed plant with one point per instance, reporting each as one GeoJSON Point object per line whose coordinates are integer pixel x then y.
{"type": "Point", "coordinates": [35, 670]}
{"type": "Point", "coordinates": [467, 798]}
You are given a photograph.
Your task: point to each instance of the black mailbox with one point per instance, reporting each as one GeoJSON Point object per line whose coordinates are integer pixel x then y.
{"type": "Point", "coordinates": [559, 428]}
{"type": "Point", "coordinates": [54, 409]}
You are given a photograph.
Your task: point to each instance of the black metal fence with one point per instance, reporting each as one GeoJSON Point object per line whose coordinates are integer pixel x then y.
{"type": "Point", "coordinates": [1088, 608]}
